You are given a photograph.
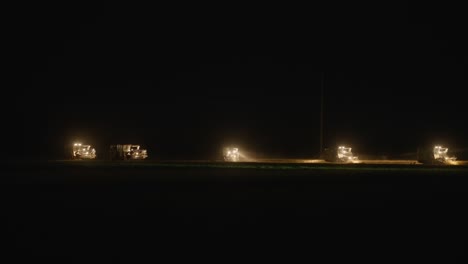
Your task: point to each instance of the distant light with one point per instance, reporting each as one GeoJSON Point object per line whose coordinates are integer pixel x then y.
{"type": "Point", "coordinates": [231, 154]}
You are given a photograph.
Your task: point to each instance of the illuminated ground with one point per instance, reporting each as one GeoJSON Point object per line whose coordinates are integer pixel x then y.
{"type": "Point", "coordinates": [291, 208]}
{"type": "Point", "coordinates": [375, 161]}
{"type": "Point", "coordinates": [273, 161]}
{"type": "Point", "coordinates": [262, 163]}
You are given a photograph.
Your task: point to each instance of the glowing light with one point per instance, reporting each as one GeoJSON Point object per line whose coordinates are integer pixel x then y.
{"type": "Point", "coordinates": [441, 154]}
{"type": "Point", "coordinates": [81, 151]}
{"type": "Point", "coordinates": [231, 154]}
{"type": "Point", "coordinates": [346, 155]}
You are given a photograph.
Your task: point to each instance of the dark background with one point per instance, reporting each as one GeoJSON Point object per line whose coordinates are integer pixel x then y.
{"type": "Point", "coordinates": [185, 80]}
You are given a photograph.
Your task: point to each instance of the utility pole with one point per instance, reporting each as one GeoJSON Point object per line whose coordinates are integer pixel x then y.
{"type": "Point", "coordinates": [321, 113]}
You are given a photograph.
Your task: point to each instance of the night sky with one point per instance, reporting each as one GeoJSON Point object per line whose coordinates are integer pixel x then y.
{"type": "Point", "coordinates": [183, 81]}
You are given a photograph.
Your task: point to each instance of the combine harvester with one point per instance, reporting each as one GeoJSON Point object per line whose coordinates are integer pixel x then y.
{"type": "Point", "coordinates": [340, 154]}
{"type": "Point", "coordinates": [127, 152]}
{"type": "Point", "coordinates": [437, 155]}
{"type": "Point", "coordinates": [80, 152]}
{"type": "Point", "coordinates": [231, 154]}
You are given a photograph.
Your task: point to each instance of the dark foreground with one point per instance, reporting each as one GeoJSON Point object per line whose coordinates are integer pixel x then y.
{"type": "Point", "coordinates": [71, 211]}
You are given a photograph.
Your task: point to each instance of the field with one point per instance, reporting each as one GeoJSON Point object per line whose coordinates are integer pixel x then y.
{"type": "Point", "coordinates": [69, 210]}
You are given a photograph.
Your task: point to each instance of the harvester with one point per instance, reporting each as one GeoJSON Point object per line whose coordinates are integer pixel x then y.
{"type": "Point", "coordinates": [231, 154]}
{"type": "Point", "coordinates": [339, 154]}
{"type": "Point", "coordinates": [80, 151]}
{"type": "Point", "coordinates": [127, 152]}
{"type": "Point", "coordinates": [436, 155]}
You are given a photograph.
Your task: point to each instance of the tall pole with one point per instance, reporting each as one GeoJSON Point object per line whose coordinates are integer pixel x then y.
{"type": "Point", "coordinates": [321, 113]}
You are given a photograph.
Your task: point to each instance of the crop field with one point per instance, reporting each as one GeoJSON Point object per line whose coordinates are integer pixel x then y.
{"type": "Point", "coordinates": [74, 209]}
